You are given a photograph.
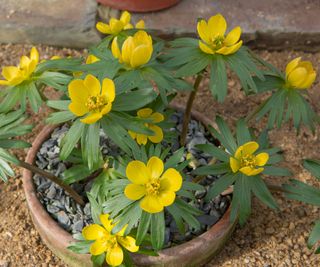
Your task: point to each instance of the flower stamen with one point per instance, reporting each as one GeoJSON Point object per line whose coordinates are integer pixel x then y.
{"type": "Point", "coordinates": [153, 187]}
{"type": "Point", "coordinates": [96, 103]}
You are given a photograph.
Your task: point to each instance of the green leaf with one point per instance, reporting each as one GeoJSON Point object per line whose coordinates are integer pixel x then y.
{"type": "Point", "coordinates": [243, 133]}
{"type": "Point", "coordinates": [34, 97]}
{"type": "Point", "coordinates": [217, 168]}
{"type": "Point", "coordinates": [242, 188]}
{"type": "Point", "coordinates": [75, 174]}
{"type": "Point", "coordinates": [143, 227]}
{"type": "Point", "coordinates": [313, 166]}
{"type": "Point", "coordinates": [10, 144]}
{"type": "Point", "coordinates": [218, 79]}
{"type": "Point", "coordinates": [70, 140]}
{"type": "Point", "coordinates": [60, 117]}
{"type": "Point", "coordinates": [214, 151]}
{"type": "Point", "coordinates": [276, 171]}
{"type": "Point", "coordinates": [59, 104]}
{"type": "Point", "coordinates": [314, 235]}
{"type": "Point", "coordinates": [8, 157]}
{"type": "Point", "coordinates": [81, 247]}
{"type": "Point", "coordinates": [157, 230]}
{"type": "Point", "coordinates": [271, 82]}
{"type": "Point", "coordinates": [193, 67]}
{"type": "Point", "coordinates": [174, 159]}
{"type": "Point", "coordinates": [226, 137]}
{"type": "Point", "coordinates": [220, 185]}
{"type": "Point", "coordinates": [134, 100]}
{"type": "Point", "coordinates": [262, 192]}
{"type": "Point", "coordinates": [96, 209]}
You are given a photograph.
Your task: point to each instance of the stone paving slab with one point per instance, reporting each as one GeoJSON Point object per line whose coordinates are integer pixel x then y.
{"type": "Point", "coordinates": [69, 23]}
{"type": "Point", "coordinates": [265, 23]}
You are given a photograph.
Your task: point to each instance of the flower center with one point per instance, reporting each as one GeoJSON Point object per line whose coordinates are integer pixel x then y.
{"type": "Point", "coordinates": [109, 241]}
{"type": "Point", "coordinates": [248, 161]}
{"type": "Point", "coordinates": [96, 103]}
{"type": "Point", "coordinates": [153, 187]}
{"type": "Point", "coordinates": [217, 42]}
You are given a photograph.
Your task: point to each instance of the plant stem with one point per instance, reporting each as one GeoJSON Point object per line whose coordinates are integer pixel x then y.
{"type": "Point", "coordinates": [255, 112]}
{"type": "Point", "coordinates": [54, 179]}
{"type": "Point", "coordinates": [187, 113]}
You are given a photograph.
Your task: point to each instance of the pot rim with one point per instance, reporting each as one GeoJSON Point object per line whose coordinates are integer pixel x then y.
{"type": "Point", "coordinates": [63, 239]}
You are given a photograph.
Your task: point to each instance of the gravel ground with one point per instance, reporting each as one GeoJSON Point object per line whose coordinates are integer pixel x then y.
{"type": "Point", "coordinates": [268, 239]}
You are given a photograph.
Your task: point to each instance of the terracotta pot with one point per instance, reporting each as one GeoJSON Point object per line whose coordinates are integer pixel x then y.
{"type": "Point", "coordinates": [139, 5]}
{"type": "Point", "coordinates": [196, 252]}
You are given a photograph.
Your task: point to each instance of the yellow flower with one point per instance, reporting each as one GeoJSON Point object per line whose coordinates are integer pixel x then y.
{"type": "Point", "coordinates": [117, 25]}
{"type": "Point", "coordinates": [157, 189]}
{"type": "Point", "coordinates": [16, 75]}
{"type": "Point", "coordinates": [213, 39]}
{"type": "Point", "coordinates": [136, 50]}
{"type": "Point", "coordinates": [246, 162]}
{"type": "Point", "coordinates": [87, 97]}
{"type": "Point", "coordinates": [105, 241]}
{"type": "Point", "coordinates": [300, 74]}
{"type": "Point", "coordinates": [146, 113]}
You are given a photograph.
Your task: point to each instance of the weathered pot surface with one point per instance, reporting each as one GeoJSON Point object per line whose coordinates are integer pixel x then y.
{"type": "Point", "coordinates": [195, 252]}
{"type": "Point", "coordinates": [139, 5]}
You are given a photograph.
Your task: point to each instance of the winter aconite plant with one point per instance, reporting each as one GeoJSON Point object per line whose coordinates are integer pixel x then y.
{"type": "Point", "coordinates": [153, 172]}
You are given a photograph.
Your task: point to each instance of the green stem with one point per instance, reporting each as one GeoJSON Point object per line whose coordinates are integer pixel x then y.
{"type": "Point", "coordinates": [187, 113]}
{"type": "Point", "coordinates": [54, 179]}
{"type": "Point", "coordinates": [256, 111]}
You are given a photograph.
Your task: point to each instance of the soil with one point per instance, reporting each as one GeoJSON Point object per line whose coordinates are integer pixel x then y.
{"type": "Point", "coordinates": [268, 239]}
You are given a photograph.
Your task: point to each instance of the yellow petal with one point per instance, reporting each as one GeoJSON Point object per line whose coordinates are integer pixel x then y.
{"type": "Point", "coordinates": [171, 180]}
{"type": "Point", "coordinates": [92, 59]}
{"type": "Point", "coordinates": [234, 164]}
{"type": "Point", "coordinates": [107, 224]}
{"type": "Point", "coordinates": [262, 159]}
{"type": "Point", "coordinates": [78, 92]}
{"type": "Point", "coordinates": [141, 55]}
{"type": "Point", "coordinates": [103, 28]}
{"type": "Point", "coordinates": [142, 139]}
{"type": "Point", "coordinates": [93, 232]}
{"type": "Point", "coordinates": [158, 134]}
{"type": "Point", "coordinates": [78, 109]}
{"type": "Point", "coordinates": [115, 48]}
{"type": "Point", "coordinates": [106, 109]}
{"type": "Point", "coordinates": [10, 72]}
{"type": "Point", "coordinates": [3, 82]}
{"type": "Point", "coordinates": [134, 191]}
{"type": "Point", "coordinates": [292, 65]}
{"type": "Point", "coordinates": [250, 171]}
{"type": "Point", "coordinates": [228, 50]}
{"type": "Point", "coordinates": [128, 26]}
{"type": "Point", "coordinates": [142, 38]}
{"type": "Point", "coordinates": [233, 36]}
{"type": "Point", "coordinates": [151, 204]}
{"type": "Point", "coordinates": [247, 149]}
{"type": "Point", "coordinates": [155, 166]}
{"type": "Point", "coordinates": [32, 66]}
{"type": "Point", "coordinates": [204, 48]}
{"type": "Point", "coordinates": [24, 62]}
{"type": "Point", "coordinates": [91, 118]}
{"type": "Point", "coordinates": [140, 24]}
{"type": "Point", "coordinates": [127, 49]}
{"type": "Point", "coordinates": [217, 25]}
{"type": "Point", "coordinates": [116, 26]}
{"type": "Point", "coordinates": [157, 117]}
{"type": "Point", "coordinates": [132, 134]}
{"type": "Point", "coordinates": [93, 84]}
{"type": "Point", "coordinates": [297, 76]}
{"type": "Point", "coordinates": [137, 172]}
{"type": "Point", "coordinates": [129, 243]}
{"type": "Point", "coordinates": [125, 17]}
{"type": "Point", "coordinates": [98, 247]}
{"type": "Point", "coordinates": [167, 197]}
{"type": "Point", "coordinates": [144, 113]}
{"type": "Point", "coordinates": [108, 89]}
{"type": "Point", "coordinates": [309, 81]}
{"type": "Point", "coordinates": [34, 55]}
{"type": "Point", "coordinates": [115, 256]}
{"type": "Point", "coordinates": [203, 31]}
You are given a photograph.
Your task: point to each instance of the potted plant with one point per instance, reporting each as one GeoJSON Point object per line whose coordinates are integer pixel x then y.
{"type": "Point", "coordinates": [136, 179]}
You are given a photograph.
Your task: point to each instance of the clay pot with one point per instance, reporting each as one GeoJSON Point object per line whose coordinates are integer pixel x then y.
{"type": "Point", "coordinates": [195, 252]}
{"type": "Point", "coordinates": [139, 5]}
